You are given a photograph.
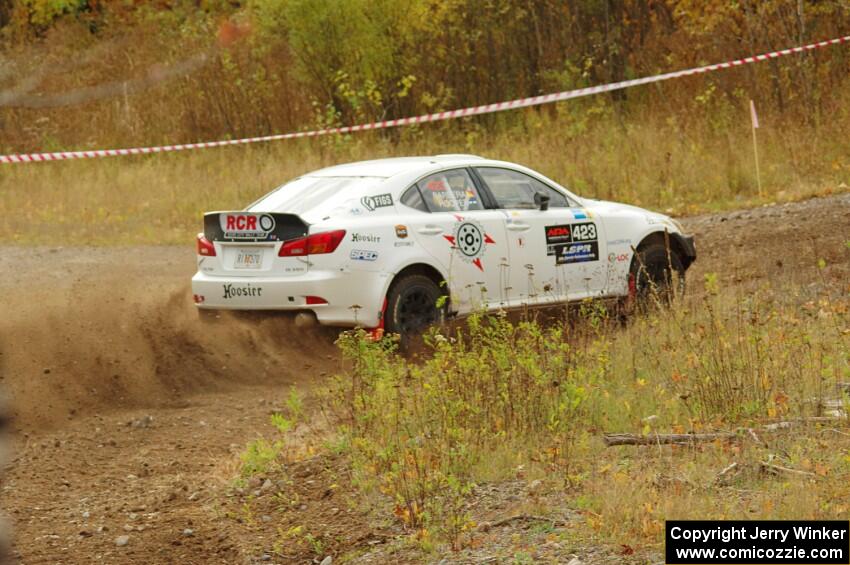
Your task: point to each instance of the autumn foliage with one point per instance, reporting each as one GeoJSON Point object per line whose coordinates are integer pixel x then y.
{"type": "Point", "coordinates": [171, 70]}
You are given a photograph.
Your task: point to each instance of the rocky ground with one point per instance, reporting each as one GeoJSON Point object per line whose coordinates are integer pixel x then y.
{"type": "Point", "coordinates": [129, 414]}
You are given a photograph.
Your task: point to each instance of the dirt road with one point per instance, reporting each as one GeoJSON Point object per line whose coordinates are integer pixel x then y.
{"type": "Point", "coordinates": [130, 413]}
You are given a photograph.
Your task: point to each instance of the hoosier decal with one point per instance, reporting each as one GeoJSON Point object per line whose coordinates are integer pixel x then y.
{"type": "Point", "coordinates": [572, 243]}
{"type": "Point", "coordinates": [365, 238]}
{"type": "Point", "coordinates": [231, 291]}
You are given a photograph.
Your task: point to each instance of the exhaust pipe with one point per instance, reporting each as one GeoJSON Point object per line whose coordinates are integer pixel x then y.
{"type": "Point", "coordinates": [306, 319]}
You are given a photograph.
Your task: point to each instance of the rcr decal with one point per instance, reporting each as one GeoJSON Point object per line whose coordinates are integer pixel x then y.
{"type": "Point", "coordinates": [246, 226]}
{"type": "Point", "coordinates": [363, 255]}
{"type": "Point", "coordinates": [572, 243]}
{"type": "Point", "coordinates": [371, 203]}
{"type": "Point", "coordinates": [231, 291]}
{"type": "Point", "coordinates": [618, 258]}
{"type": "Point", "coordinates": [470, 239]}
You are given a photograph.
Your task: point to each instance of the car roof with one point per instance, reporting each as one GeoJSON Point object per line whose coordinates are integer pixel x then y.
{"type": "Point", "coordinates": [386, 168]}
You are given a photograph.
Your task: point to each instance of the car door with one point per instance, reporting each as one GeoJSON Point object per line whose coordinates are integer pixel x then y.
{"type": "Point", "coordinates": [463, 236]}
{"type": "Point", "coordinates": [555, 253]}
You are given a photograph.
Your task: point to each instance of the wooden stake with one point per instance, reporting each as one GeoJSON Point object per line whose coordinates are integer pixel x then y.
{"type": "Point", "coordinates": [755, 124]}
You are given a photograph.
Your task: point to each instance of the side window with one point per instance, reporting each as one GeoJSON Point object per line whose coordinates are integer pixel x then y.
{"type": "Point", "coordinates": [450, 191]}
{"type": "Point", "coordinates": [413, 198]}
{"type": "Point", "coordinates": [513, 189]}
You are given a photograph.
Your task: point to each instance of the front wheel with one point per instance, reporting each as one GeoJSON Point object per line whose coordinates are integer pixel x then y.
{"type": "Point", "coordinates": [412, 306]}
{"type": "Point", "coordinates": [657, 276]}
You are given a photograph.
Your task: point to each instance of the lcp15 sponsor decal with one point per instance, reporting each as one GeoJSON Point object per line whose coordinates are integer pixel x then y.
{"type": "Point", "coordinates": [572, 243]}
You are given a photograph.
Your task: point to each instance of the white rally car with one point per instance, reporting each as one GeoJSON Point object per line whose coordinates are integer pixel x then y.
{"type": "Point", "coordinates": [377, 243]}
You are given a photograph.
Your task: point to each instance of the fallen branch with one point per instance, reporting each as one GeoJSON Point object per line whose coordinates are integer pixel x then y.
{"type": "Point", "coordinates": [833, 430]}
{"type": "Point", "coordinates": [777, 470]}
{"type": "Point", "coordinates": [680, 439]}
{"type": "Point", "coordinates": [656, 439]}
{"type": "Point", "coordinates": [756, 438]}
{"type": "Point", "coordinates": [484, 526]}
{"type": "Point", "coordinates": [726, 470]}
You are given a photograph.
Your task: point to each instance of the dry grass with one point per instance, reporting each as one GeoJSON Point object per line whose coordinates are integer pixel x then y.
{"type": "Point", "coordinates": [784, 347]}
{"type": "Point", "coordinates": [658, 163]}
{"type": "Point", "coordinates": [505, 397]}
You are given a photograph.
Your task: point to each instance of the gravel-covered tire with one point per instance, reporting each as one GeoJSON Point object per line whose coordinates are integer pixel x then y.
{"type": "Point", "coordinates": [657, 275]}
{"type": "Point", "coordinates": [412, 306]}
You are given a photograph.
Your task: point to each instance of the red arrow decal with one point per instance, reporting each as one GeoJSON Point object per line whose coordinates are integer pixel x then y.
{"type": "Point", "coordinates": [450, 238]}
{"type": "Point", "coordinates": [459, 218]}
{"type": "Point", "coordinates": [477, 263]}
{"type": "Point", "coordinates": [488, 239]}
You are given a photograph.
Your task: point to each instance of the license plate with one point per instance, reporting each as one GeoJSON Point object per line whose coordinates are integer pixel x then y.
{"type": "Point", "coordinates": [248, 259]}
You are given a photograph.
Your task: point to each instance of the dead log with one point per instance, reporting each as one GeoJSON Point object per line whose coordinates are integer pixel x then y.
{"type": "Point", "coordinates": [777, 470]}
{"type": "Point", "coordinates": [657, 439]}
{"type": "Point", "coordinates": [666, 439]}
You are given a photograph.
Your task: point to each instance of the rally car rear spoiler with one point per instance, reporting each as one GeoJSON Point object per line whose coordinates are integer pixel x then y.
{"type": "Point", "coordinates": [253, 226]}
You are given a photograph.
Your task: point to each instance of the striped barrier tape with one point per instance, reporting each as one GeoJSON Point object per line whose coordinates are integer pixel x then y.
{"type": "Point", "coordinates": [425, 118]}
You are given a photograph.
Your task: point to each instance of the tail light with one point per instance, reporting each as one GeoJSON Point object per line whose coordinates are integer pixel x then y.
{"type": "Point", "coordinates": [316, 244]}
{"type": "Point", "coordinates": [205, 246]}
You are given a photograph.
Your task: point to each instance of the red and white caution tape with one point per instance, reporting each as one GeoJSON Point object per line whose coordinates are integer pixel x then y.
{"type": "Point", "coordinates": [438, 116]}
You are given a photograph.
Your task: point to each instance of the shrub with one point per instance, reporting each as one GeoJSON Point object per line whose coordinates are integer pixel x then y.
{"type": "Point", "coordinates": [422, 432]}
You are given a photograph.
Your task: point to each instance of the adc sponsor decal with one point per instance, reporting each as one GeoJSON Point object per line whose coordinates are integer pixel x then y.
{"type": "Point", "coordinates": [572, 243]}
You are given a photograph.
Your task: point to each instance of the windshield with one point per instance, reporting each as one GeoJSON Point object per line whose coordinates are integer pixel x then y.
{"type": "Point", "coordinates": [306, 194]}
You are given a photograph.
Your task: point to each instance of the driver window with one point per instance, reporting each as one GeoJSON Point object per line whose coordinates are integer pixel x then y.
{"type": "Point", "coordinates": [450, 191]}
{"type": "Point", "coordinates": [516, 190]}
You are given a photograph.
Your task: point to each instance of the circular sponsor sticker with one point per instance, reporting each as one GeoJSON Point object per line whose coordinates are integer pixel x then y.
{"type": "Point", "coordinates": [266, 223]}
{"type": "Point", "coordinates": [469, 239]}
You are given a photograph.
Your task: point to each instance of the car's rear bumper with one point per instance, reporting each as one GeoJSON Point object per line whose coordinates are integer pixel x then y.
{"type": "Point", "coordinates": [353, 298]}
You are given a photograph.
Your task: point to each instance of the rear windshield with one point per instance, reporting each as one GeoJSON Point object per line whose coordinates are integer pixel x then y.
{"type": "Point", "coordinates": [306, 194]}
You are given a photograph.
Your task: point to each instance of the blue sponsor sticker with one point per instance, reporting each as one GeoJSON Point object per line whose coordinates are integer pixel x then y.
{"type": "Point", "coordinates": [578, 252]}
{"type": "Point", "coordinates": [579, 214]}
{"type": "Point", "coordinates": [363, 255]}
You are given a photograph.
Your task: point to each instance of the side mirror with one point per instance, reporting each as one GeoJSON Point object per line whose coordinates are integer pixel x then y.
{"type": "Point", "coordinates": [541, 200]}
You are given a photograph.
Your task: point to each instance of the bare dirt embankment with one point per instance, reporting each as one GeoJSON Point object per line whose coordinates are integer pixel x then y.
{"type": "Point", "coordinates": [129, 411]}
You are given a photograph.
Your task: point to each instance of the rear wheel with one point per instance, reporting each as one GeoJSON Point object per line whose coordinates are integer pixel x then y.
{"type": "Point", "coordinates": [412, 306]}
{"type": "Point", "coordinates": [657, 275]}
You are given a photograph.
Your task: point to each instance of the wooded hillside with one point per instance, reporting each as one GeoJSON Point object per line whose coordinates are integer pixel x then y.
{"type": "Point", "coordinates": [77, 73]}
